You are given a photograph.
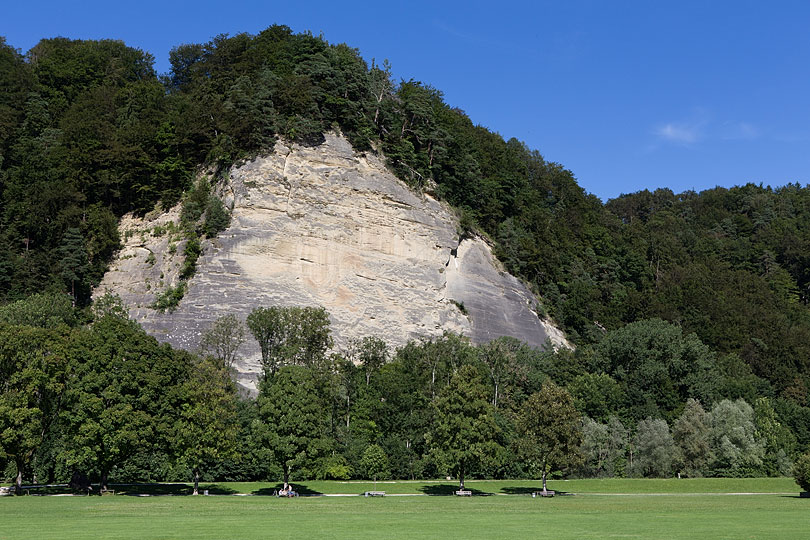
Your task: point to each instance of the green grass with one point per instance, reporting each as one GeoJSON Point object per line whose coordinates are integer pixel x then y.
{"type": "Point", "coordinates": [600, 509]}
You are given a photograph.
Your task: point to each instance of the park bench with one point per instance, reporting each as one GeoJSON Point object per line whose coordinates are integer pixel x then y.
{"type": "Point", "coordinates": [5, 490]}
{"type": "Point", "coordinates": [464, 493]}
{"type": "Point", "coordinates": [374, 494]}
{"type": "Point", "coordinates": [542, 493]}
{"type": "Point", "coordinates": [104, 492]}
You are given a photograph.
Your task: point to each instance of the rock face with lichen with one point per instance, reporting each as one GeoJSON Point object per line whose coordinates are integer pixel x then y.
{"type": "Point", "coordinates": [326, 226]}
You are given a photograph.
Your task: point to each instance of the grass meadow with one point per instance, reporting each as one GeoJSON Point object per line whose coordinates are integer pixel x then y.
{"type": "Point", "coordinates": [616, 508]}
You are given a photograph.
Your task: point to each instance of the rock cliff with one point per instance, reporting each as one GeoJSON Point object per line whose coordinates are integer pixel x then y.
{"type": "Point", "coordinates": [326, 226]}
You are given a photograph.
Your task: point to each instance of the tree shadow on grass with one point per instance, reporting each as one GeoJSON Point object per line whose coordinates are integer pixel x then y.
{"type": "Point", "coordinates": [450, 489]}
{"type": "Point", "coordinates": [169, 489]}
{"type": "Point", "coordinates": [523, 490]}
{"type": "Point", "coordinates": [301, 489]}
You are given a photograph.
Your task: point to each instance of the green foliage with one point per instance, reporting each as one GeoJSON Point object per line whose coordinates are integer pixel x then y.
{"type": "Point", "coordinates": [691, 435]}
{"type": "Point", "coordinates": [75, 265]}
{"type": "Point", "coordinates": [733, 434]}
{"type": "Point", "coordinates": [290, 336]}
{"type": "Point", "coordinates": [548, 431]}
{"type": "Point", "coordinates": [604, 448]}
{"type": "Point", "coordinates": [371, 353]}
{"type": "Point", "coordinates": [801, 471]}
{"type": "Point", "coordinates": [657, 367]}
{"type": "Point", "coordinates": [41, 310]}
{"type": "Point", "coordinates": [778, 441]}
{"type": "Point", "coordinates": [596, 395]}
{"type": "Point", "coordinates": [169, 299]}
{"type": "Point", "coordinates": [109, 304]}
{"type": "Point", "coordinates": [123, 397]}
{"type": "Point", "coordinates": [465, 434]}
{"type": "Point", "coordinates": [654, 449]}
{"type": "Point", "coordinates": [33, 374]}
{"type": "Point", "coordinates": [206, 427]}
{"type": "Point", "coordinates": [191, 253]}
{"type": "Point", "coordinates": [292, 421]}
{"type": "Point", "coordinates": [223, 339]}
{"type": "Point", "coordinates": [217, 217]}
{"type": "Point", "coordinates": [374, 463]}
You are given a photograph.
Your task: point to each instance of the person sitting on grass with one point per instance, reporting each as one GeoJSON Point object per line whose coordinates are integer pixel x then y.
{"type": "Point", "coordinates": [286, 491]}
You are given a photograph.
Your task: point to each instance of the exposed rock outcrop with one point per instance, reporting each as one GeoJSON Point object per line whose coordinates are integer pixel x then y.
{"type": "Point", "coordinates": [327, 226]}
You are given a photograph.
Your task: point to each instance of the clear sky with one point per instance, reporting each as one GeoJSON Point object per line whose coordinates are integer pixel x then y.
{"type": "Point", "coordinates": [627, 94]}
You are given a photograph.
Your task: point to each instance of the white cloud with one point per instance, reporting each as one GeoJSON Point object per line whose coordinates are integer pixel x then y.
{"type": "Point", "coordinates": [680, 132]}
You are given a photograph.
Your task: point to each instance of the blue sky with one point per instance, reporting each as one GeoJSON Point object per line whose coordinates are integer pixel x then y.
{"type": "Point", "coordinates": [627, 94]}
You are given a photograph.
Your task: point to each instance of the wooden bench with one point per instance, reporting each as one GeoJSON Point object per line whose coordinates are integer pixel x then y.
{"type": "Point", "coordinates": [374, 494]}
{"type": "Point", "coordinates": [542, 493]}
{"type": "Point", "coordinates": [5, 490]}
{"type": "Point", "coordinates": [464, 493]}
{"type": "Point", "coordinates": [104, 492]}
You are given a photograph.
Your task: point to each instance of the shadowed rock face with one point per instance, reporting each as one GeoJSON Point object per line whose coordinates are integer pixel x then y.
{"type": "Point", "coordinates": [326, 226]}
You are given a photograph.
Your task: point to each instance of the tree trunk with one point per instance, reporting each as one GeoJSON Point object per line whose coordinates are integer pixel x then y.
{"type": "Point", "coordinates": [18, 489]}
{"type": "Point", "coordinates": [196, 482]}
{"type": "Point", "coordinates": [286, 474]}
{"type": "Point", "coordinates": [103, 481]}
{"type": "Point", "coordinates": [545, 473]}
{"type": "Point", "coordinates": [461, 478]}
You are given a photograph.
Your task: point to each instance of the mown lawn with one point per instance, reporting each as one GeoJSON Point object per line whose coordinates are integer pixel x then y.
{"type": "Point", "coordinates": [599, 509]}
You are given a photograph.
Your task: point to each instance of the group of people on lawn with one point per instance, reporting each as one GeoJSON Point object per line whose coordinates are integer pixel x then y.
{"type": "Point", "coordinates": [287, 491]}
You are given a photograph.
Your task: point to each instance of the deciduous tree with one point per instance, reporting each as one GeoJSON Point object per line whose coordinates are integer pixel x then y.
{"type": "Point", "coordinates": [654, 449]}
{"type": "Point", "coordinates": [464, 433]}
{"type": "Point", "coordinates": [206, 429]}
{"type": "Point", "coordinates": [223, 339]}
{"type": "Point", "coordinates": [548, 431]}
{"type": "Point", "coordinates": [33, 372]}
{"type": "Point", "coordinates": [293, 421]}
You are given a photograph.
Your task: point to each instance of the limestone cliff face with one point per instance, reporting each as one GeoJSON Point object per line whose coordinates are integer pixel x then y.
{"type": "Point", "coordinates": [327, 226]}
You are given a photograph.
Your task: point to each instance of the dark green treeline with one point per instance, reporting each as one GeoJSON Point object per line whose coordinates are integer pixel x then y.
{"type": "Point", "coordinates": [95, 394]}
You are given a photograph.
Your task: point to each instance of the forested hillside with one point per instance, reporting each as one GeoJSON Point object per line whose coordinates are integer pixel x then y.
{"type": "Point", "coordinates": [668, 296]}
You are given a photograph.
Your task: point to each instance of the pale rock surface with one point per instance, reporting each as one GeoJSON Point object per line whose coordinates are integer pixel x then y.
{"type": "Point", "coordinates": [326, 226]}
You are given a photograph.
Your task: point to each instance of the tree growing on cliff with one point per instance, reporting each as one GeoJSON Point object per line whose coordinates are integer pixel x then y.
{"type": "Point", "coordinates": [74, 264]}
